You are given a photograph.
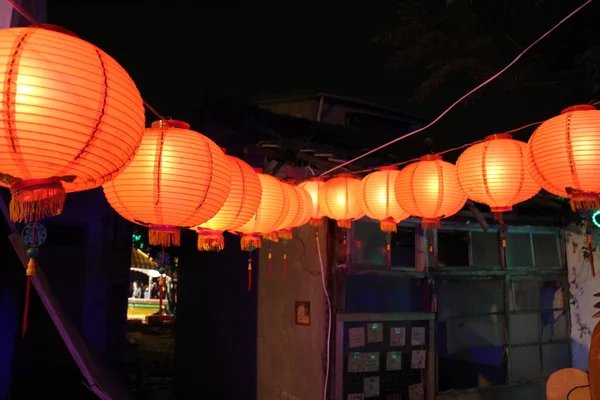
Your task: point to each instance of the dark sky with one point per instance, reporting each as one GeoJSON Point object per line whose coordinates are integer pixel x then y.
{"type": "Point", "coordinates": [178, 51]}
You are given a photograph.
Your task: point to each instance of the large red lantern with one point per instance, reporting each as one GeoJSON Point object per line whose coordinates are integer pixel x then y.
{"type": "Point", "coordinates": [377, 198]}
{"type": "Point", "coordinates": [178, 178]}
{"type": "Point", "coordinates": [313, 186]}
{"type": "Point", "coordinates": [273, 209]}
{"type": "Point", "coordinates": [240, 206]}
{"type": "Point", "coordinates": [493, 173]}
{"type": "Point", "coordinates": [429, 189]}
{"type": "Point", "coordinates": [563, 156]}
{"type": "Point", "coordinates": [338, 198]}
{"type": "Point", "coordinates": [299, 213]}
{"type": "Point", "coordinates": [72, 118]}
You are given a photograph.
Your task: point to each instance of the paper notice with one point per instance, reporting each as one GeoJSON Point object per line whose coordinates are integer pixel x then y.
{"type": "Point", "coordinates": [355, 362]}
{"type": "Point", "coordinates": [397, 337]}
{"type": "Point", "coordinates": [371, 386]}
{"type": "Point", "coordinates": [374, 333]}
{"type": "Point", "coordinates": [356, 337]}
{"type": "Point", "coordinates": [416, 392]}
{"type": "Point", "coordinates": [393, 361]}
{"type": "Point", "coordinates": [371, 362]}
{"type": "Point", "coordinates": [417, 336]}
{"type": "Point", "coordinates": [418, 359]}
{"type": "Point", "coordinates": [356, 396]}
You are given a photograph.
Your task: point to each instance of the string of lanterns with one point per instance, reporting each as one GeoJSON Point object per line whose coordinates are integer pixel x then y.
{"type": "Point", "coordinates": [72, 120]}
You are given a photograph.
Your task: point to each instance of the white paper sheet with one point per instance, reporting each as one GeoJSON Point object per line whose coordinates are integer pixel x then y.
{"type": "Point", "coordinates": [416, 392]}
{"type": "Point", "coordinates": [371, 386]}
{"type": "Point", "coordinates": [371, 362]}
{"type": "Point", "coordinates": [374, 333]}
{"type": "Point", "coordinates": [355, 362]}
{"type": "Point", "coordinates": [393, 361]}
{"type": "Point", "coordinates": [418, 359]}
{"type": "Point", "coordinates": [356, 337]}
{"type": "Point", "coordinates": [417, 336]}
{"type": "Point", "coordinates": [398, 337]}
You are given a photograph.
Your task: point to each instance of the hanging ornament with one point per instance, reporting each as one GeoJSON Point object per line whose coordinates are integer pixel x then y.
{"type": "Point", "coordinates": [34, 235]}
{"type": "Point", "coordinates": [429, 189]}
{"type": "Point", "coordinates": [313, 186]}
{"type": "Point", "coordinates": [163, 259]}
{"type": "Point", "coordinates": [178, 178]}
{"type": "Point", "coordinates": [338, 198]}
{"type": "Point", "coordinates": [274, 207]}
{"type": "Point", "coordinates": [563, 156]}
{"type": "Point", "coordinates": [240, 206]}
{"type": "Point", "coordinates": [493, 173]}
{"type": "Point", "coordinates": [377, 198]}
{"type": "Point", "coordinates": [72, 119]}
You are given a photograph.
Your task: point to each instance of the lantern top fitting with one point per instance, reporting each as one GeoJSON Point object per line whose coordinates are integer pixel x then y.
{"type": "Point", "coordinates": [431, 157]}
{"type": "Point", "coordinates": [580, 107]}
{"type": "Point", "coordinates": [388, 168]}
{"type": "Point", "coordinates": [497, 136]}
{"type": "Point", "coordinates": [55, 28]}
{"type": "Point", "coordinates": [170, 123]}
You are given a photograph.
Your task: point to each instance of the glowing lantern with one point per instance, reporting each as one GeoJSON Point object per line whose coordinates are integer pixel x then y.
{"type": "Point", "coordinates": [338, 198]}
{"type": "Point", "coordinates": [72, 118]}
{"type": "Point", "coordinates": [493, 173]}
{"type": "Point", "coordinates": [312, 186]}
{"type": "Point", "coordinates": [178, 178]}
{"type": "Point", "coordinates": [429, 189]}
{"type": "Point", "coordinates": [299, 213]}
{"type": "Point", "coordinates": [241, 205]}
{"type": "Point", "coordinates": [377, 198]}
{"type": "Point", "coordinates": [274, 207]}
{"type": "Point", "coordinates": [563, 156]}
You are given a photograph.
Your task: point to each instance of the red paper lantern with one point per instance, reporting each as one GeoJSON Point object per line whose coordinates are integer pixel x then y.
{"type": "Point", "coordinates": [338, 198]}
{"type": "Point", "coordinates": [493, 173]}
{"type": "Point", "coordinates": [178, 178]}
{"type": "Point", "coordinates": [240, 206]}
{"type": "Point", "coordinates": [274, 207]}
{"type": "Point", "coordinates": [299, 213]}
{"type": "Point", "coordinates": [377, 198]}
{"type": "Point", "coordinates": [72, 118]}
{"type": "Point", "coordinates": [313, 186]}
{"type": "Point", "coordinates": [563, 156]}
{"type": "Point", "coordinates": [429, 189]}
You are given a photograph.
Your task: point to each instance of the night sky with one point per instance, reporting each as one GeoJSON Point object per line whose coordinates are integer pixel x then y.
{"type": "Point", "coordinates": [177, 52]}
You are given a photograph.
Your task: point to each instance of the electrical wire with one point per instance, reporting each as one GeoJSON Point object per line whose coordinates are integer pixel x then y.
{"type": "Point", "coordinates": [460, 100]}
{"type": "Point", "coordinates": [35, 23]}
{"type": "Point", "coordinates": [329, 317]}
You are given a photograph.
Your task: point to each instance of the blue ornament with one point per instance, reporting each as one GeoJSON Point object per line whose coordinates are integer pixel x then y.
{"type": "Point", "coordinates": [32, 252]}
{"type": "Point", "coordinates": [162, 271]}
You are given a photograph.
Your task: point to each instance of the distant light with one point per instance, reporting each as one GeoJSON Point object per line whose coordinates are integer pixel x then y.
{"type": "Point", "coordinates": [595, 218]}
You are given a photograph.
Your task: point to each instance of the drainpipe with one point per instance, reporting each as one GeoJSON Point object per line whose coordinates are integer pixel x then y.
{"type": "Point", "coordinates": [320, 110]}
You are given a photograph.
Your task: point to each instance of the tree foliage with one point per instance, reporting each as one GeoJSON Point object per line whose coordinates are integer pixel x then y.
{"type": "Point", "coordinates": [474, 39]}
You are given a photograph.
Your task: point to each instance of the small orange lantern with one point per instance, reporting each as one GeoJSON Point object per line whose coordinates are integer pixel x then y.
{"type": "Point", "coordinates": [338, 198]}
{"type": "Point", "coordinates": [313, 186]}
{"type": "Point", "coordinates": [241, 205]}
{"type": "Point", "coordinates": [377, 198]}
{"type": "Point", "coordinates": [429, 189]}
{"type": "Point", "coordinates": [493, 173]}
{"type": "Point", "coordinates": [72, 118]}
{"type": "Point", "coordinates": [300, 211]}
{"type": "Point", "coordinates": [273, 209]}
{"type": "Point", "coordinates": [178, 178]}
{"type": "Point", "coordinates": [563, 156]}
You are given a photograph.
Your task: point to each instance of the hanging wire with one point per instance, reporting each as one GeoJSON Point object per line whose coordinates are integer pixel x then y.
{"type": "Point", "coordinates": [460, 100]}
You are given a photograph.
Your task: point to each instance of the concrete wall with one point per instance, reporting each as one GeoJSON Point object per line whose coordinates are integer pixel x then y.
{"type": "Point", "coordinates": [290, 356]}
{"type": "Point", "coordinates": [582, 287]}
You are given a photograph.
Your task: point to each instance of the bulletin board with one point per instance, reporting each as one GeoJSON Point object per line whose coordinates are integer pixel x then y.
{"type": "Point", "coordinates": [385, 360]}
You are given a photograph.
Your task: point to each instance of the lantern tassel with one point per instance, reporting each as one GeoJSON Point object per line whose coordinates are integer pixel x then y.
{"type": "Point", "coordinates": [30, 272]}
{"type": "Point", "coordinates": [210, 241]}
{"type": "Point", "coordinates": [388, 225]}
{"type": "Point", "coordinates": [590, 242]}
{"type": "Point", "coordinates": [583, 200]}
{"type": "Point", "coordinates": [35, 200]}
{"type": "Point", "coordinates": [316, 222]}
{"type": "Point", "coordinates": [250, 242]}
{"type": "Point", "coordinates": [164, 236]}
{"type": "Point", "coordinates": [344, 223]}
{"type": "Point", "coordinates": [316, 241]}
{"type": "Point", "coordinates": [345, 246]}
{"type": "Point", "coordinates": [502, 236]}
{"type": "Point", "coordinates": [284, 263]}
{"type": "Point", "coordinates": [272, 236]}
{"type": "Point", "coordinates": [388, 251]}
{"type": "Point", "coordinates": [270, 263]}
{"type": "Point", "coordinates": [249, 271]}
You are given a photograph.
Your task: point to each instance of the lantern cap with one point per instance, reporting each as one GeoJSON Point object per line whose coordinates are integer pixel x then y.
{"type": "Point", "coordinates": [223, 149]}
{"type": "Point", "coordinates": [57, 28]}
{"type": "Point", "coordinates": [316, 179]}
{"type": "Point", "coordinates": [431, 157]}
{"type": "Point", "coordinates": [388, 168]}
{"type": "Point", "coordinates": [170, 123]}
{"type": "Point", "coordinates": [497, 136]}
{"type": "Point", "coordinates": [258, 170]}
{"type": "Point", "coordinates": [580, 107]}
{"type": "Point", "coordinates": [345, 176]}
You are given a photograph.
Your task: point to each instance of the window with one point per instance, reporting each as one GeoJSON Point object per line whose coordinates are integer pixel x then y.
{"type": "Point", "coordinates": [453, 249]}
{"type": "Point", "coordinates": [382, 294]}
{"type": "Point", "coordinates": [470, 333]}
{"type": "Point", "coordinates": [538, 327]}
{"type": "Point", "coordinates": [368, 246]}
